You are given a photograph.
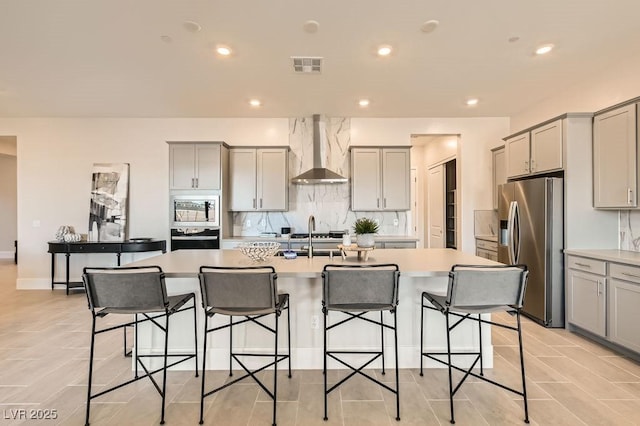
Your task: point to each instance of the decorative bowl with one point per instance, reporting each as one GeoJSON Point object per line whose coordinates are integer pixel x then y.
{"type": "Point", "coordinates": [259, 250]}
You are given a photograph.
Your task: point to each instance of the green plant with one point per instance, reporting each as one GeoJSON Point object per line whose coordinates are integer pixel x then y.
{"type": "Point", "coordinates": [365, 225]}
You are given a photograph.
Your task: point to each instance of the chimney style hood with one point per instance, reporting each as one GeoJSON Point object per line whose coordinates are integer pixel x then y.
{"type": "Point", "coordinates": [318, 174]}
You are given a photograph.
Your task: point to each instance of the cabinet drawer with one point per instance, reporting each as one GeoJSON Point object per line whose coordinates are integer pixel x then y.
{"type": "Point", "coordinates": [487, 245]}
{"type": "Point", "coordinates": [588, 265]}
{"type": "Point", "coordinates": [94, 248]}
{"type": "Point", "coordinates": [625, 272]}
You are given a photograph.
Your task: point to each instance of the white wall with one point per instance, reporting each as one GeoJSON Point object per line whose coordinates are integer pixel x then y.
{"type": "Point", "coordinates": [477, 137]}
{"type": "Point", "coordinates": [55, 156]}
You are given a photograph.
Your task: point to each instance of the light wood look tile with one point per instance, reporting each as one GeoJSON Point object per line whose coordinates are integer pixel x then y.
{"type": "Point", "coordinates": [44, 351]}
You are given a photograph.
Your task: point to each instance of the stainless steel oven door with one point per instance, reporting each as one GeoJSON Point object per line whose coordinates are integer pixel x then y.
{"type": "Point", "coordinates": [195, 239]}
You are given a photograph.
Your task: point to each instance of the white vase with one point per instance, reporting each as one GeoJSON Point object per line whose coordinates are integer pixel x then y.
{"type": "Point", "coordinates": [365, 240]}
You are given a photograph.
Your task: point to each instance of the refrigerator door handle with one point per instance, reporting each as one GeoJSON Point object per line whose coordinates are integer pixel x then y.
{"type": "Point", "coordinates": [516, 233]}
{"type": "Point", "coordinates": [510, 242]}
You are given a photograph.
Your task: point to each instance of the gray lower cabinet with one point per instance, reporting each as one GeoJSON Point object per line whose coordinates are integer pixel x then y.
{"type": "Point", "coordinates": [587, 301]}
{"type": "Point", "coordinates": [487, 249]}
{"type": "Point", "coordinates": [624, 305]}
{"type": "Point", "coordinates": [603, 298]}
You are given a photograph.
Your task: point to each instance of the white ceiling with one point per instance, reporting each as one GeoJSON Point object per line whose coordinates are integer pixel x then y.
{"type": "Point", "coordinates": [105, 58]}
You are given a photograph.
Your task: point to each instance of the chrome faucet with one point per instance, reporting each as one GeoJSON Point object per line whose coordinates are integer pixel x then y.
{"type": "Point", "coordinates": [312, 227]}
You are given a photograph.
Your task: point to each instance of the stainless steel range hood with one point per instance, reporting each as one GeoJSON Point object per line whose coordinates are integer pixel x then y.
{"type": "Point", "coordinates": [318, 174]}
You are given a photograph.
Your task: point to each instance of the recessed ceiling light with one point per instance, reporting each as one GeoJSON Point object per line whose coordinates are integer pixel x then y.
{"type": "Point", "coordinates": [223, 50]}
{"type": "Point", "coordinates": [255, 102]}
{"type": "Point", "coordinates": [513, 39]}
{"type": "Point", "coordinates": [191, 26]}
{"type": "Point", "coordinates": [166, 38]}
{"type": "Point", "coordinates": [472, 101]}
{"type": "Point", "coordinates": [384, 50]}
{"type": "Point", "coordinates": [311, 26]}
{"type": "Point", "coordinates": [544, 49]}
{"type": "Point", "coordinates": [363, 102]}
{"type": "Point", "coordinates": [429, 26]}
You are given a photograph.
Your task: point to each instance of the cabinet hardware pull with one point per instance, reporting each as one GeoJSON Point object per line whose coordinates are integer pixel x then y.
{"type": "Point", "coordinates": [384, 203]}
{"type": "Point", "coordinates": [526, 166]}
{"type": "Point", "coordinates": [629, 196]}
{"type": "Point", "coordinates": [193, 182]}
{"type": "Point", "coordinates": [599, 287]}
{"type": "Point", "coordinates": [197, 183]}
{"type": "Point", "coordinates": [532, 165]}
{"type": "Point", "coordinates": [378, 202]}
{"type": "Point", "coordinates": [626, 274]}
{"type": "Point", "coordinates": [260, 202]}
{"type": "Point", "coordinates": [254, 203]}
{"type": "Point", "coordinates": [584, 265]}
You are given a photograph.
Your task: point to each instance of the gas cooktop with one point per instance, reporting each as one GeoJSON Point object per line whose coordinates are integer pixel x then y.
{"type": "Point", "coordinates": [319, 235]}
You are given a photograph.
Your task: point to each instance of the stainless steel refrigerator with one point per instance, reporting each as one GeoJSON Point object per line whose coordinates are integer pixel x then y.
{"type": "Point", "coordinates": [532, 233]}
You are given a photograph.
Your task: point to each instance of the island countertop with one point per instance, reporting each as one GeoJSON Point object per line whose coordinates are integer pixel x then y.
{"type": "Point", "coordinates": [412, 262]}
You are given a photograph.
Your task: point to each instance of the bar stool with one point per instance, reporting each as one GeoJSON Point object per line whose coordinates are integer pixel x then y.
{"type": "Point", "coordinates": [355, 290]}
{"type": "Point", "coordinates": [473, 291]}
{"type": "Point", "coordinates": [249, 292]}
{"type": "Point", "coordinates": [138, 291]}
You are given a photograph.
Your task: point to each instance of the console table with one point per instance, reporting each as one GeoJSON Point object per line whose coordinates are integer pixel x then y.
{"type": "Point", "coordinates": [133, 246]}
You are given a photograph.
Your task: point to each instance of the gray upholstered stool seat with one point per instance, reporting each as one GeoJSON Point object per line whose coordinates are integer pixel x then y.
{"type": "Point", "coordinates": [252, 293]}
{"type": "Point", "coordinates": [355, 290]}
{"type": "Point", "coordinates": [471, 292]}
{"type": "Point", "coordinates": [137, 291]}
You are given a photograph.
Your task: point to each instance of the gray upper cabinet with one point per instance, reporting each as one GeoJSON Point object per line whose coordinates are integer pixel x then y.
{"type": "Point", "coordinates": [539, 150]}
{"type": "Point", "coordinates": [258, 179]}
{"type": "Point", "coordinates": [615, 155]}
{"type": "Point", "coordinates": [499, 175]}
{"type": "Point", "coordinates": [194, 166]}
{"type": "Point", "coordinates": [380, 179]}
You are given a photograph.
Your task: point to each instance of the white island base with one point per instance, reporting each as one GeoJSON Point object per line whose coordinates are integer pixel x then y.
{"type": "Point", "coordinates": [420, 269]}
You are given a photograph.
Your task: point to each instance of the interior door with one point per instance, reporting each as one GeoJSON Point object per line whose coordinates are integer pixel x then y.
{"type": "Point", "coordinates": [436, 206]}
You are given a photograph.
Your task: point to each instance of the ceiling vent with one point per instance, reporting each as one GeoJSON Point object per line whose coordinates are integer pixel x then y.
{"type": "Point", "coordinates": [307, 65]}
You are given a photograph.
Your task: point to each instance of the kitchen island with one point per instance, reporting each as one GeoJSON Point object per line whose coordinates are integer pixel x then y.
{"type": "Point", "coordinates": [420, 270]}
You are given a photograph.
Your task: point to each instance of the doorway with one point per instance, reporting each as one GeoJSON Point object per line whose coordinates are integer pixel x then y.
{"type": "Point", "coordinates": [430, 155]}
{"type": "Point", "coordinates": [8, 198]}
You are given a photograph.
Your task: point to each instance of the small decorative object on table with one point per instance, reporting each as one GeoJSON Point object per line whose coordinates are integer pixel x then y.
{"type": "Point", "coordinates": [363, 252]}
{"type": "Point", "coordinates": [67, 234]}
{"type": "Point", "coordinates": [259, 250]}
{"type": "Point", "coordinates": [365, 228]}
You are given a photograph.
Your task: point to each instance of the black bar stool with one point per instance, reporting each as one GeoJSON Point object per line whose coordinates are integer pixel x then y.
{"type": "Point", "coordinates": [138, 291]}
{"type": "Point", "coordinates": [473, 291]}
{"type": "Point", "coordinates": [252, 293]}
{"type": "Point", "coordinates": [355, 290]}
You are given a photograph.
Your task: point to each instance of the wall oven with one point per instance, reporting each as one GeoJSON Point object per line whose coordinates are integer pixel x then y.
{"type": "Point", "coordinates": [195, 238]}
{"type": "Point", "coordinates": [195, 210]}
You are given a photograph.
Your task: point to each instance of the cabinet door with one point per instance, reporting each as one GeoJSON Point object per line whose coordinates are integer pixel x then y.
{"type": "Point", "coordinates": [365, 179]}
{"type": "Point", "coordinates": [207, 171]}
{"type": "Point", "coordinates": [396, 179]}
{"type": "Point", "coordinates": [614, 158]}
{"type": "Point", "coordinates": [624, 315]}
{"type": "Point", "coordinates": [587, 301]}
{"type": "Point", "coordinates": [272, 186]}
{"type": "Point", "coordinates": [499, 172]}
{"type": "Point", "coordinates": [517, 154]}
{"type": "Point", "coordinates": [242, 171]}
{"type": "Point", "coordinates": [546, 148]}
{"type": "Point", "coordinates": [182, 162]}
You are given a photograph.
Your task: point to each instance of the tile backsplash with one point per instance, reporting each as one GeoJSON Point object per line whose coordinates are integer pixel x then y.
{"type": "Point", "coordinates": [629, 224]}
{"type": "Point", "coordinates": [485, 222]}
{"type": "Point", "coordinates": [329, 203]}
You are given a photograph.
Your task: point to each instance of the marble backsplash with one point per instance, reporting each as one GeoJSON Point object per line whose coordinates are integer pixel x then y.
{"type": "Point", "coordinates": [485, 223]}
{"type": "Point", "coordinates": [329, 203]}
{"type": "Point", "coordinates": [629, 225]}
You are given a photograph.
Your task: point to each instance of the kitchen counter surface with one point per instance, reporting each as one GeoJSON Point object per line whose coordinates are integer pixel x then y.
{"type": "Point", "coordinates": [378, 238]}
{"type": "Point", "coordinates": [412, 262]}
{"type": "Point", "coordinates": [611, 255]}
{"type": "Point", "coordinates": [420, 270]}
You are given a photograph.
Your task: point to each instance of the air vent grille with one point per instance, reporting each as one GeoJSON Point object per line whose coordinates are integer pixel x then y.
{"type": "Point", "coordinates": [307, 65]}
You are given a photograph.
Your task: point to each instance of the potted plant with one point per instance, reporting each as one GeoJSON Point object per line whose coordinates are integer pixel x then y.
{"type": "Point", "coordinates": [365, 228]}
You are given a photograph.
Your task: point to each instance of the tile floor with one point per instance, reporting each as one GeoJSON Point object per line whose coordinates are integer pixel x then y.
{"type": "Point", "coordinates": [44, 339]}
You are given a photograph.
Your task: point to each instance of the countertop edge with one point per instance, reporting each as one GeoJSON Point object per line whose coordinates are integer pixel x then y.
{"type": "Point", "coordinates": [611, 255]}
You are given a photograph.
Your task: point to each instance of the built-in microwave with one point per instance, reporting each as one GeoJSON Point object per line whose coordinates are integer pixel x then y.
{"type": "Point", "coordinates": [195, 210]}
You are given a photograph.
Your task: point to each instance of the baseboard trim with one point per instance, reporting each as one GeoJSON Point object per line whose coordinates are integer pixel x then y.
{"type": "Point", "coordinates": [35, 284]}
